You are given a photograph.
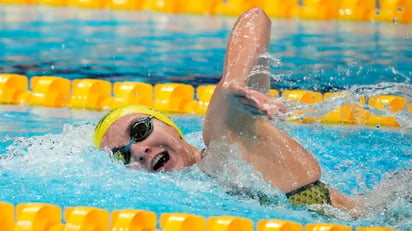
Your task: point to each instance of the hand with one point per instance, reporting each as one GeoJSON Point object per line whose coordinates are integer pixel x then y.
{"type": "Point", "coordinates": [253, 102]}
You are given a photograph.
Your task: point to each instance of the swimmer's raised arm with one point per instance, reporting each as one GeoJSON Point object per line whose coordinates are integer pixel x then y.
{"type": "Point", "coordinates": [238, 114]}
{"type": "Point", "coordinates": [249, 39]}
{"type": "Point", "coordinates": [240, 92]}
{"type": "Point", "coordinates": [239, 108]}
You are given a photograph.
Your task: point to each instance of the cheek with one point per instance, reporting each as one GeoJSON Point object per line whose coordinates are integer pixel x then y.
{"type": "Point", "coordinates": [179, 150]}
{"type": "Point", "coordinates": [168, 135]}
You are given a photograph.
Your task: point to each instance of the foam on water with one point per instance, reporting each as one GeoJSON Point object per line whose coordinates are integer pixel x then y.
{"type": "Point", "coordinates": [65, 169]}
{"type": "Point", "coordinates": [47, 155]}
{"type": "Point", "coordinates": [353, 95]}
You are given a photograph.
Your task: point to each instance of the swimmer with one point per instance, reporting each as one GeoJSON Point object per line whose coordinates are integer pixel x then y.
{"type": "Point", "coordinates": [239, 113]}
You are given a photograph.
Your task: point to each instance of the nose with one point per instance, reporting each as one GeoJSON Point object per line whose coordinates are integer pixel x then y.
{"type": "Point", "coordinates": [139, 152]}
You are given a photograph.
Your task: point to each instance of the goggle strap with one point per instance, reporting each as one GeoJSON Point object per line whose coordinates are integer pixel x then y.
{"type": "Point", "coordinates": [127, 147]}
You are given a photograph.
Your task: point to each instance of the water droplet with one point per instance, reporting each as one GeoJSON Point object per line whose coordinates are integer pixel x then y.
{"type": "Point", "coordinates": [52, 67]}
{"type": "Point", "coordinates": [63, 46]}
{"type": "Point", "coordinates": [377, 11]}
{"type": "Point", "coordinates": [400, 9]}
{"type": "Point", "coordinates": [395, 20]}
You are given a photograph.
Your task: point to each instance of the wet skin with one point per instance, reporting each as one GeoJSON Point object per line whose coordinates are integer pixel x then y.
{"type": "Point", "coordinates": [170, 151]}
{"type": "Point", "coordinates": [239, 113]}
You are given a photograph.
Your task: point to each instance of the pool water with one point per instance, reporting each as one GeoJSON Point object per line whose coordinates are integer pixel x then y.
{"type": "Point", "coordinates": [47, 154]}
{"type": "Point", "coordinates": [155, 47]}
{"type": "Point", "coordinates": [49, 157]}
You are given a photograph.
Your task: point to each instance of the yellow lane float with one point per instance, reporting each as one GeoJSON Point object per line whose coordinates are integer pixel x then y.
{"type": "Point", "coordinates": [127, 93]}
{"type": "Point", "coordinates": [397, 11]}
{"type": "Point", "coordinates": [48, 217]}
{"type": "Point", "coordinates": [95, 94]}
{"type": "Point", "coordinates": [91, 94]}
{"type": "Point", "coordinates": [13, 88]}
{"type": "Point", "coordinates": [49, 91]}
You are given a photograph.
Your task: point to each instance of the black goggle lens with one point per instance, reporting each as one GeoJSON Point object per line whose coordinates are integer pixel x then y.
{"type": "Point", "coordinates": [141, 129]}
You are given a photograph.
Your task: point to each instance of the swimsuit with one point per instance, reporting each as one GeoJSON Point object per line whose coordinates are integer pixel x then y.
{"type": "Point", "coordinates": [314, 193]}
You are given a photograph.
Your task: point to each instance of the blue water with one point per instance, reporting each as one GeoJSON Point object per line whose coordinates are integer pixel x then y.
{"type": "Point", "coordinates": [47, 155]}
{"type": "Point", "coordinates": [154, 47]}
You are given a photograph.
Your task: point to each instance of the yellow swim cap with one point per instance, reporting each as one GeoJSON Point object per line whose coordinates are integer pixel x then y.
{"type": "Point", "coordinates": [115, 114]}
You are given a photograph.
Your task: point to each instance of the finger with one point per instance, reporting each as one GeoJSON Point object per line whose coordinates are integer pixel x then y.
{"type": "Point", "coordinates": [249, 106]}
{"type": "Point", "coordinates": [282, 107]}
{"type": "Point", "coordinates": [274, 112]}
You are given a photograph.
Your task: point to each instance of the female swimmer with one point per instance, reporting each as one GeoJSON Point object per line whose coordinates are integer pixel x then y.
{"type": "Point", "coordinates": [239, 113]}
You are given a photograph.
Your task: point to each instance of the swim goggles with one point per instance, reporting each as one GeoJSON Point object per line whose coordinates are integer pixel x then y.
{"type": "Point", "coordinates": [139, 130]}
{"type": "Point", "coordinates": [106, 121]}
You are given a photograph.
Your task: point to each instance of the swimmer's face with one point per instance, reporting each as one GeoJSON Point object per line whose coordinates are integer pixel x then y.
{"type": "Point", "coordinates": [163, 149]}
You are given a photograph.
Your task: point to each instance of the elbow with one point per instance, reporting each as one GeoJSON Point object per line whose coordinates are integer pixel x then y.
{"type": "Point", "coordinates": [315, 172]}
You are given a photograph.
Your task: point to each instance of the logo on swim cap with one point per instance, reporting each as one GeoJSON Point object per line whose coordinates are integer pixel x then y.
{"type": "Point", "coordinates": [107, 120]}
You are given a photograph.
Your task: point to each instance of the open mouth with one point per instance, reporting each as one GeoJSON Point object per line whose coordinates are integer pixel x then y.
{"type": "Point", "coordinates": [160, 160]}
